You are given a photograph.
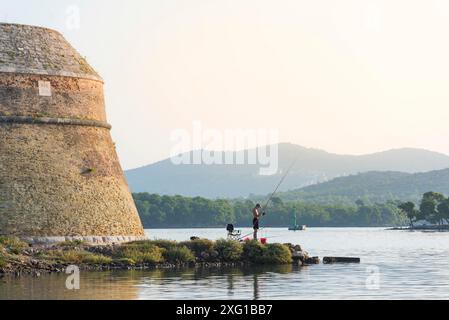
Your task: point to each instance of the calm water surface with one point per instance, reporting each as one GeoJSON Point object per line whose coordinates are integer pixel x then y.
{"type": "Point", "coordinates": [395, 265]}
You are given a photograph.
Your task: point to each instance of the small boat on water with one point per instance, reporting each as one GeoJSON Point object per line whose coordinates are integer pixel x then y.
{"type": "Point", "coordinates": [296, 226]}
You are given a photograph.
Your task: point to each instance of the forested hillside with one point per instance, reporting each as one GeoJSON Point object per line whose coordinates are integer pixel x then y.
{"type": "Point", "coordinates": [373, 187]}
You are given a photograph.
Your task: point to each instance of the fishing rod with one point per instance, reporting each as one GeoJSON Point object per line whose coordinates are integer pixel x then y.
{"type": "Point", "coordinates": [275, 191]}
{"type": "Point", "coordinates": [279, 185]}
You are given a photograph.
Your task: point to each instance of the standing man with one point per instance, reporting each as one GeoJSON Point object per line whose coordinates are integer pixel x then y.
{"type": "Point", "coordinates": [256, 217]}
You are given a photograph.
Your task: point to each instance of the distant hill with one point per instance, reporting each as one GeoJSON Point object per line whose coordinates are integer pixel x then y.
{"type": "Point", "coordinates": [373, 187]}
{"type": "Point", "coordinates": [313, 166]}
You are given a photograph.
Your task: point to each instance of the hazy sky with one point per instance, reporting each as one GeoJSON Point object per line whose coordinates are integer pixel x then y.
{"type": "Point", "coordinates": [347, 76]}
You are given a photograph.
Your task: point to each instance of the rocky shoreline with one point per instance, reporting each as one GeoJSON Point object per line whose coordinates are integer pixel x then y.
{"type": "Point", "coordinates": [18, 258]}
{"type": "Point", "coordinates": [422, 228]}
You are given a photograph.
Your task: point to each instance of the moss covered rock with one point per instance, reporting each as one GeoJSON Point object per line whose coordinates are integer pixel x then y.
{"type": "Point", "coordinates": [13, 245]}
{"type": "Point", "coordinates": [203, 249]}
{"type": "Point", "coordinates": [256, 252]}
{"type": "Point", "coordinates": [2, 261]}
{"type": "Point", "coordinates": [141, 253]}
{"type": "Point", "coordinates": [179, 255]}
{"type": "Point", "coordinates": [277, 254]}
{"type": "Point", "coordinates": [229, 250]}
{"type": "Point", "coordinates": [17, 256]}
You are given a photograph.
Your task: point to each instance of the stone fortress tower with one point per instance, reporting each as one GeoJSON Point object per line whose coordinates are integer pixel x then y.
{"type": "Point", "coordinates": [60, 178]}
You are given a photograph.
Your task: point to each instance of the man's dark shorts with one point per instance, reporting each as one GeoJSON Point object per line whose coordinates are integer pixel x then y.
{"type": "Point", "coordinates": [256, 224]}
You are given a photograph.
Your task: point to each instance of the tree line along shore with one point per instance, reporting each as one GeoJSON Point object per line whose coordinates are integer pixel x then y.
{"type": "Point", "coordinates": [183, 212]}
{"type": "Point", "coordinates": [433, 209]}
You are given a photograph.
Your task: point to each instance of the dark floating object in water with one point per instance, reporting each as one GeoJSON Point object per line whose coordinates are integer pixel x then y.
{"type": "Point", "coordinates": [330, 260]}
{"type": "Point", "coordinates": [312, 260]}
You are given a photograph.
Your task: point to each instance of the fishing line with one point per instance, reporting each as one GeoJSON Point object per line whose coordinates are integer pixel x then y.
{"type": "Point", "coordinates": [271, 237]}
{"type": "Point", "coordinates": [278, 233]}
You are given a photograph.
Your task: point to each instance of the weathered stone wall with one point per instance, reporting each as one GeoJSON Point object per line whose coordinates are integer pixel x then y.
{"type": "Point", "coordinates": [59, 172]}
{"type": "Point", "coordinates": [35, 50]}
{"type": "Point", "coordinates": [71, 97]}
{"type": "Point", "coordinates": [63, 181]}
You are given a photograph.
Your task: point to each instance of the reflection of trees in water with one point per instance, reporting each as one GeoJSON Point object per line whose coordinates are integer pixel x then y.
{"type": "Point", "coordinates": [127, 285]}
{"type": "Point", "coordinates": [252, 276]}
{"type": "Point", "coordinates": [93, 286]}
